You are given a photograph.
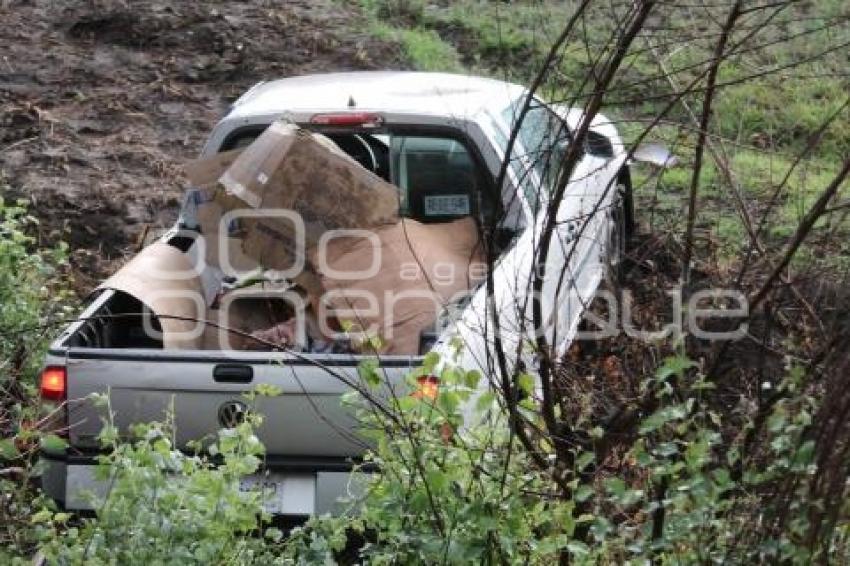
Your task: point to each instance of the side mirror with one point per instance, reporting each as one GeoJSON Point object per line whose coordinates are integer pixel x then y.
{"type": "Point", "coordinates": [655, 154]}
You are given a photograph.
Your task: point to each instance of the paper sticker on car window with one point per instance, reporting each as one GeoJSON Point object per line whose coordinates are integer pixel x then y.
{"type": "Point", "coordinates": [446, 205]}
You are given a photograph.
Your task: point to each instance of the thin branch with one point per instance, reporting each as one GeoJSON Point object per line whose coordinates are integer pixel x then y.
{"type": "Point", "coordinates": [806, 225]}
{"type": "Point", "coordinates": [705, 120]}
{"type": "Point", "coordinates": [570, 160]}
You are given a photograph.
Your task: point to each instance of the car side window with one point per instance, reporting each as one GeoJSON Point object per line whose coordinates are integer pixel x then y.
{"type": "Point", "coordinates": [543, 137]}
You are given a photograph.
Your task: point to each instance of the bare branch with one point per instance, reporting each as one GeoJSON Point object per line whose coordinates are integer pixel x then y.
{"type": "Point", "coordinates": [725, 32]}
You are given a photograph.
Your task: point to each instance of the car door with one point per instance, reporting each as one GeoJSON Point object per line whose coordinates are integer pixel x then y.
{"type": "Point", "coordinates": [572, 266]}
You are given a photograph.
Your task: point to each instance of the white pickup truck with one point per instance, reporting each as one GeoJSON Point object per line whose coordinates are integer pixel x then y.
{"type": "Point", "coordinates": [423, 132]}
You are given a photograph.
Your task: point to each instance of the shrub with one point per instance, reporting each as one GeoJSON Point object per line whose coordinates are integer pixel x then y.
{"type": "Point", "coordinates": [455, 490]}
{"type": "Point", "coordinates": [454, 486]}
{"type": "Point", "coordinates": [165, 506]}
{"type": "Point", "coordinates": [32, 295]}
{"type": "Point", "coordinates": [31, 292]}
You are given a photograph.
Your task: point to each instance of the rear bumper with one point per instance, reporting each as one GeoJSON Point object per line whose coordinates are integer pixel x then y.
{"type": "Point", "coordinates": [312, 486]}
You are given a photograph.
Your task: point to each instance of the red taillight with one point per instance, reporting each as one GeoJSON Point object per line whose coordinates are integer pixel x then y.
{"type": "Point", "coordinates": [427, 387]}
{"type": "Point", "coordinates": [363, 119]}
{"type": "Point", "coordinates": [53, 383]}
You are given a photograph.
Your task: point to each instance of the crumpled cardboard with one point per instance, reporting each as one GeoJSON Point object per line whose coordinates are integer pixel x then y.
{"type": "Point", "coordinates": [204, 173]}
{"type": "Point", "coordinates": [289, 169]}
{"type": "Point", "coordinates": [248, 310]}
{"type": "Point", "coordinates": [423, 268]}
{"type": "Point", "coordinates": [201, 210]}
{"type": "Point", "coordinates": [164, 279]}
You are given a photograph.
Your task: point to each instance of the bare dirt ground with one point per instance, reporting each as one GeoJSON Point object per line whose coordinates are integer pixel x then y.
{"type": "Point", "coordinates": [101, 101]}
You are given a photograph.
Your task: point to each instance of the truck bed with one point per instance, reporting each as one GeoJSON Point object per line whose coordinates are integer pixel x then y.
{"type": "Point", "coordinates": [311, 440]}
{"type": "Point", "coordinates": [109, 355]}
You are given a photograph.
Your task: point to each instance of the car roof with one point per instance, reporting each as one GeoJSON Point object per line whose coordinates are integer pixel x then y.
{"type": "Point", "coordinates": [404, 92]}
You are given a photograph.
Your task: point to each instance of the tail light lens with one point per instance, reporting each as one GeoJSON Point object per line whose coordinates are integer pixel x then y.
{"type": "Point", "coordinates": [361, 119]}
{"type": "Point", "coordinates": [54, 383]}
{"type": "Point", "coordinates": [427, 387]}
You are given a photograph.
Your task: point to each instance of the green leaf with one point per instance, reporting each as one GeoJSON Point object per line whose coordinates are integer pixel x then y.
{"type": "Point", "coordinates": [448, 402]}
{"type": "Point", "coordinates": [53, 443]}
{"type": "Point", "coordinates": [578, 548]}
{"type": "Point", "coordinates": [485, 401]}
{"type": "Point", "coordinates": [805, 454]}
{"type": "Point", "coordinates": [274, 534]}
{"type": "Point", "coordinates": [42, 516]}
{"type": "Point", "coordinates": [583, 493]}
{"type": "Point", "coordinates": [436, 479]}
{"type": "Point", "coordinates": [615, 486]}
{"type": "Point", "coordinates": [666, 449]}
{"type": "Point", "coordinates": [525, 382]}
{"type": "Point", "coordinates": [450, 376]}
{"type": "Point", "coordinates": [8, 450]}
{"type": "Point", "coordinates": [472, 378]}
{"type": "Point", "coordinates": [268, 390]}
{"type": "Point", "coordinates": [584, 460]}
{"type": "Point", "coordinates": [662, 416]}
{"type": "Point", "coordinates": [631, 496]}
{"type": "Point", "coordinates": [777, 420]}
{"type": "Point", "coordinates": [408, 403]}
{"type": "Point", "coordinates": [674, 366]}
{"type": "Point", "coordinates": [368, 372]}
{"type": "Point", "coordinates": [430, 362]}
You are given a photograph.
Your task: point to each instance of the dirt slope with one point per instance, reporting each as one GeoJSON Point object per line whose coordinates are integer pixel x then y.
{"type": "Point", "coordinates": [101, 101]}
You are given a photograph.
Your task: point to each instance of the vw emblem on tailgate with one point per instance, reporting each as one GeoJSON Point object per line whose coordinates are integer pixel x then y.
{"type": "Point", "coordinates": [232, 413]}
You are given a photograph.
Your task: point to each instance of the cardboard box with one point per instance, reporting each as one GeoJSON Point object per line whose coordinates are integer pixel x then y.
{"type": "Point", "coordinates": [202, 210]}
{"type": "Point", "coordinates": [289, 169]}
{"type": "Point", "coordinates": [423, 268]}
{"type": "Point", "coordinates": [286, 190]}
{"type": "Point", "coordinates": [205, 173]}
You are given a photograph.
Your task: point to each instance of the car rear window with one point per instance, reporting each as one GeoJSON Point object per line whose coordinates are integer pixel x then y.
{"type": "Point", "coordinates": [438, 177]}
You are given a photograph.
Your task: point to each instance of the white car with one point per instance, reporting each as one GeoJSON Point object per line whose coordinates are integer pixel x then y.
{"type": "Point", "coordinates": [433, 136]}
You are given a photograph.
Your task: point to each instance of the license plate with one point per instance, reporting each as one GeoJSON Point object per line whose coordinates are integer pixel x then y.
{"type": "Point", "coordinates": [447, 205]}
{"type": "Point", "coordinates": [284, 494]}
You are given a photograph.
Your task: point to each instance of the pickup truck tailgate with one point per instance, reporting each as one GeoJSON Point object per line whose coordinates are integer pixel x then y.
{"type": "Point", "coordinates": [203, 391]}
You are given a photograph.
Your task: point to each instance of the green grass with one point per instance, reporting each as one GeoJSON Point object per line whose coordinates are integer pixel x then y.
{"type": "Point", "coordinates": [424, 48]}
{"type": "Point", "coordinates": [763, 121]}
